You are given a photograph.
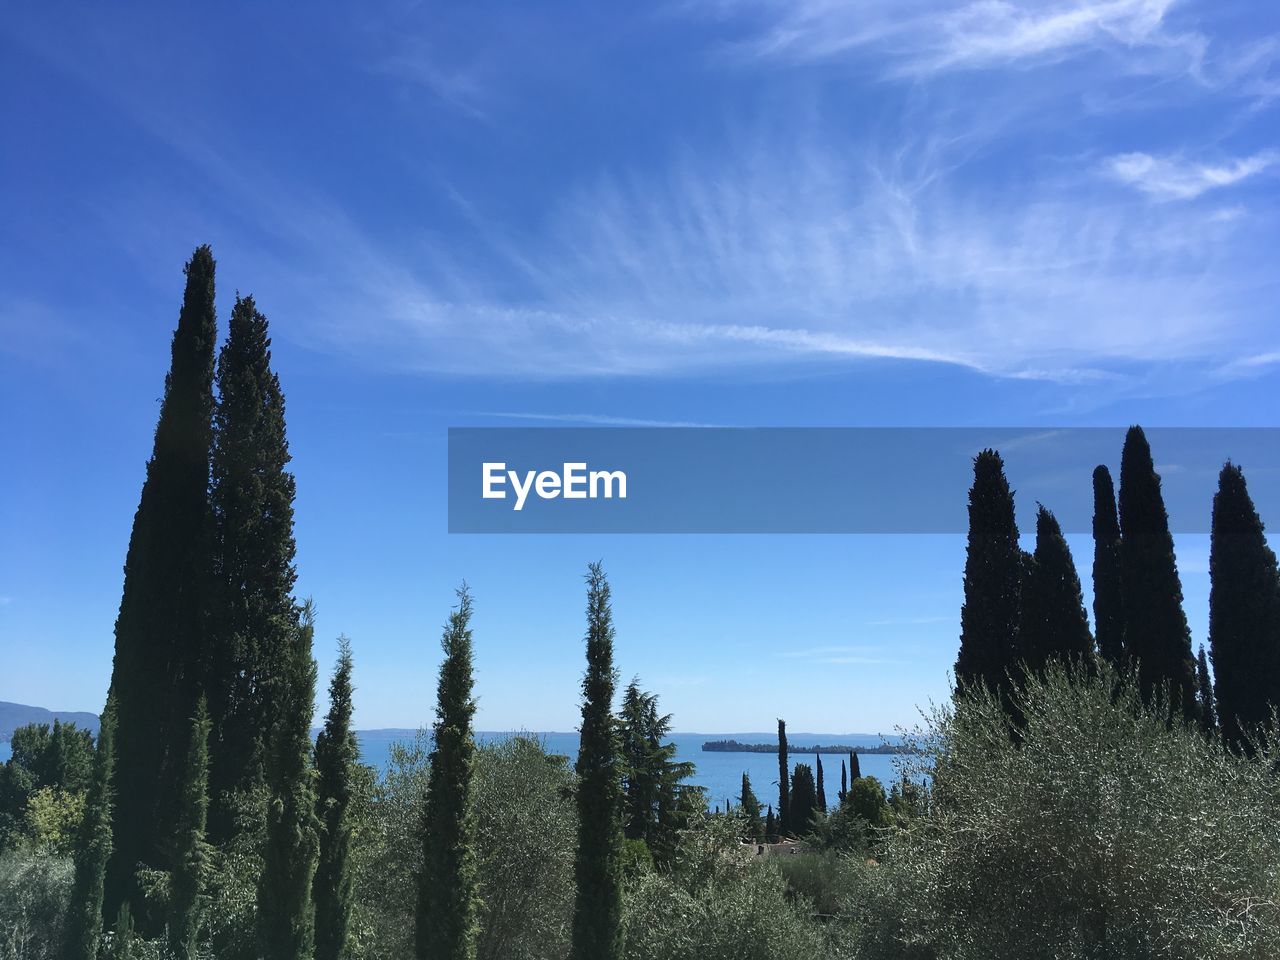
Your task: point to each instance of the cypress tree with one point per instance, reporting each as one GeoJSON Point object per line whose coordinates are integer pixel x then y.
{"type": "Point", "coordinates": [93, 848]}
{"type": "Point", "coordinates": [122, 940]}
{"type": "Point", "coordinates": [448, 902]}
{"type": "Point", "coordinates": [337, 757]}
{"type": "Point", "coordinates": [186, 908]}
{"type": "Point", "coordinates": [770, 826]}
{"type": "Point", "coordinates": [597, 913]}
{"type": "Point", "coordinates": [1208, 715]}
{"type": "Point", "coordinates": [286, 914]}
{"type": "Point", "coordinates": [750, 807]}
{"type": "Point", "coordinates": [992, 580]}
{"type": "Point", "coordinates": [161, 627]}
{"type": "Point", "coordinates": [1156, 631]}
{"type": "Point", "coordinates": [1054, 624]}
{"type": "Point", "coordinates": [804, 799]}
{"type": "Point", "coordinates": [252, 496]}
{"type": "Point", "coordinates": [1108, 589]}
{"type": "Point", "coordinates": [855, 768]}
{"type": "Point", "coordinates": [844, 782]}
{"type": "Point", "coordinates": [1244, 612]}
{"type": "Point", "coordinates": [822, 788]}
{"type": "Point", "coordinates": [784, 781]}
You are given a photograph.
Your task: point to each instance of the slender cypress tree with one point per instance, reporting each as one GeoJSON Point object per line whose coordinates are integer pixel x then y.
{"type": "Point", "coordinates": [855, 768]}
{"type": "Point", "coordinates": [162, 624]}
{"type": "Point", "coordinates": [448, 900]}
{"type": "Point", "coordinates": [337, 757]}
{"type": "Point", "coordinates": [1208, 715]}
{"type": "Point", "coordinates": [844, 781]}
{"type": "Point", "coordinates": [750, 807]}
{"type": "Point", "coordinates": [1108, 590]}
{"type": "Point", "coordinates": [1244, 612]}
{"type": "Point", "coordinates": [770, 826]}
{"type": "Point", "coordinates": [255, 614]}
{"type": "Point", "coordinates": [1156, 631]}
{"type": "Point", "coordinates": [597, 913]}
{"type": "Point", "coordinates": [1054, 624]}
{"type": "Point", "coordinates": [93, 848]}
{"type": "Point", "coordinates": [804, 799]}
{"type": "Point", "coordinates": [784, 781]}
{"type": "Point", "coordinates": [186, 911]}
{"type": "Point", "coordinates": [992, 580]}
{"type": "Point", "coordinates": [122, 941]}
{"type": "Point", "coordinates": [286, 914]}
{"type": "Point", "coordinates": [822, 787]}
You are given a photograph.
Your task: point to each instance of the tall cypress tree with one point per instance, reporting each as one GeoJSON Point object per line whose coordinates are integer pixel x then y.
{"type": "Point", "coordinates": [93, 847]}
{"type": "Point", "coordinates": [255, 620]}
{"type": "Point", "coordinates": [855, 768]}
{"type": "Point", "coordinates": [750, 807]}
{"type": "Point", "coordinates": [162, 624]}
{"type": "Point", "coordinates": [1208, 714]}
{"type": "Point", "coordinates": [286, 914]}
{"type": "Point", "coordinates": [337, 757]}
{"type": "Point", "coordinates": [992, 580]}
{"type": "Point", "coordinates": [770, 826]}
{"type": "Point", "coordinates": [784, 781]}
{"type": "Point", "coordinates": [448, 901]}
{"type": "Point", "coordinates": [844, 781]}
{"type": "Point", "coordinates": [597, 913]}
{"type": "Point", "coordinates": [804, 799]}
{"type": "Point", "coordinates": [1156, 631]}
{"type": "Point", "coordinates": [1108, 589]}
{"type": "Point", "coordinates": [1054, 625]}
{"type": "Point", "coordinates": [186, 908]}
{"type": "Point", "coordinates": [1244, 612]}
{"type": "Point", "coordinates": [822, 787]}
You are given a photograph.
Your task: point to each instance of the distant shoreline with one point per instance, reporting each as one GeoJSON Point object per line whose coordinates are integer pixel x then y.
{"type": "Point", "coordinates": [733, 746]}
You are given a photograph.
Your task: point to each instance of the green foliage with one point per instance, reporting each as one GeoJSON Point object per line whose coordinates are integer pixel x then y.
{"type": "Point", "coordinates": [526, 827]}
{"type": "Point", "coordinates": [1244, 613]}
{"type": "Point", "coordinates": [285, 912]}
{"type": "Point", "coordinates": [337, 779]}
{"type": "Point", "coordinates": [93, 848]}
{"type": "Point", "coordinates": [1102, 834]}
{"type": "Point", "coordinates": [655, 803]}
{"type": "Point", "coordinates": [50, 766]}
{"type": "Point", "coordinates": [784, 782]}
{"type": "Point", "coordinates": [254, 619]}
{"type": "Point", "coordinates": [161, 630]}
{"type": "Point", "coordinates": [1054, 625]}
{"type": "Point", "coordinates": [597, 915]}
{"type": "Point", "coordinates": [191, 852]}
{"type": "Point", "coordinates": [448, 898]}
{"type": "Point", "coordinates": [1156, 631]}
{"type": "Point", "coordinates": [35, 893]}
{"type": "Point", "coordinates": [990, 616]}
{"type": "Point", "coordinates": [718, 904]}
{"type": "Point", "coordinates": [821, 786]}
{"type": "Point", "coordinates": [1108, 590]}
{"type": "Point", "coordinates": [1204, 694]}
{"type": "Point", "coordinates": [749, 808]}
{"type": "Point", "coordinates": [804, 799]}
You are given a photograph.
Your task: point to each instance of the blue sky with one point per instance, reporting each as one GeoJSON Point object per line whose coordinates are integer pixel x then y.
{"type": "Point", "coordinates": [736, 213]}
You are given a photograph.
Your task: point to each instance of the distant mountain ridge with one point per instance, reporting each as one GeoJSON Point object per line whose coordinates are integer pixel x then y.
{"type": "Point", "coordinates": [15, 715]}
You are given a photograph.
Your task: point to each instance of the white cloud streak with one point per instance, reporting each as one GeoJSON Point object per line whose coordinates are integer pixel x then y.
{"type": "Point", "coordinates": [1174, 178]}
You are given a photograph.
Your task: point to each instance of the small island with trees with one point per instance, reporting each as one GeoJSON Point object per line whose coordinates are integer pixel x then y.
{"type": "Point", "coordinates": [733, 746]}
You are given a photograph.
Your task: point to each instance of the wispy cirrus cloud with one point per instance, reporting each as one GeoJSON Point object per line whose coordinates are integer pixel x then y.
{"type": "Point", "coordinates": [1176, 178]}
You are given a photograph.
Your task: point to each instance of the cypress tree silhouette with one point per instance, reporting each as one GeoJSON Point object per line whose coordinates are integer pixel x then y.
{"type": "Point", "coordinates": [784, 782]}
{"type": "Point", "coordinates": [750, 807]}
{"type": "Point", "coordinates": [1208, 714]}
{"type": "Point", "coordinates": [337, 757]}
{"type": "Point", "coordinates": [597, 913]}
{"type": "Point", "coordinates": [855, 768]}
{"type": "Point", "coordinates": [822, 787]}
{"type": "Point", "coordinates": [161, 628]}
{"type": "Point", "coordinates": [992, 581]}
{"type": "Point", "coordinates": [186, 908]}
{"type": "Point", "coordinates": [1156, 631]}
{"type": "Point", "coordinates": [1244, 613]}
{"type": "Point", "coordinates": [255, 615]}
{"type": "Point", "coordinates": [770, 826]}
{"type": "Point", "coordinates": [448, 902]}
{"type": "Point", "coordinates": [804, 799]}
{"type": "Point", "coordinates": [1108, 589]}
{"type": "Point", "coordinates": [1054, 624]}
{"type": "Point", "coordinates": [286, 914]}
{"type": "Point", "coordinates": [844, 781]}
{"type": "Point", "coordinates": [93, 847]}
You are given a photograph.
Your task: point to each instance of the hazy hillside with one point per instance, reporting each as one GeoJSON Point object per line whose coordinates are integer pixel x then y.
{"type": "Point", "coordinates": [14, 715]}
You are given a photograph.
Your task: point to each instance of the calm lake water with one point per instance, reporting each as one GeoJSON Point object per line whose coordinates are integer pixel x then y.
{"type": "Point", "coordinates": [720, 773]}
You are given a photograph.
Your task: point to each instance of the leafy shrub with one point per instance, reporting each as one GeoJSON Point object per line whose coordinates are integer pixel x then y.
{"type": "Point", "coordinates": [35, 886]}
{"type": "Point", "coordinates": [1106, 833]}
